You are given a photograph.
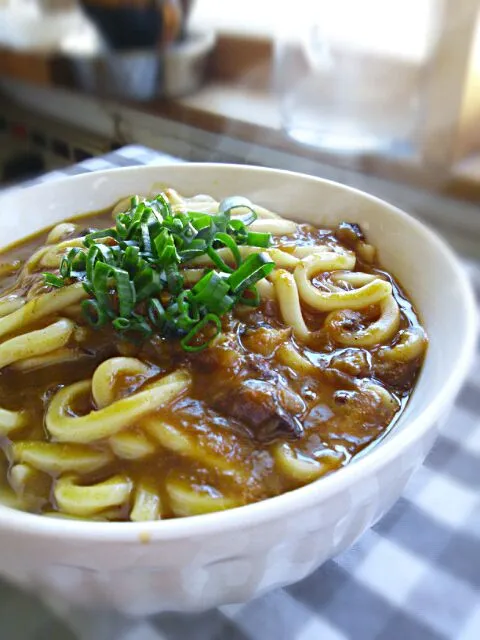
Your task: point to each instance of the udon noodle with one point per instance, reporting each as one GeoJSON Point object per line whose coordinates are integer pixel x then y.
{"type": "Point", "coordinates": [110, 413]}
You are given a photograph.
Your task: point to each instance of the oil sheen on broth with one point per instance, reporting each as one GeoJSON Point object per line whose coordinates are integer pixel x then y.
{"type": "Point", "coordinates": [111, 424]}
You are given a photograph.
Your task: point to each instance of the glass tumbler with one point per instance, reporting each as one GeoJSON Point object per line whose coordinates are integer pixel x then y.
{"type": "Point", "coordinates": [348, 74]}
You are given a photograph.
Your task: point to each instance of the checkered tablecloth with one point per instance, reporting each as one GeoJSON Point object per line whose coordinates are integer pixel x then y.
{"type": "Point", "coordinates": [414, 576]}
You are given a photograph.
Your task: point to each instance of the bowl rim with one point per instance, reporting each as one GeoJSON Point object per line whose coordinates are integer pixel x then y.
{"type": "Point", "coordinates": [271, 509]}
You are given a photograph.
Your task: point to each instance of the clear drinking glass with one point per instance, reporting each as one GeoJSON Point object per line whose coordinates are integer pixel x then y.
{"type": "Point", "coordinates": [349, 73]}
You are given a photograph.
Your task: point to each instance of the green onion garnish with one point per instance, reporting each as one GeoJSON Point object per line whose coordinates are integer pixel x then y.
{"type": "Point", "coordinates": [156, 313]}
{"type": "Point", "coordinates": [258, 239]}
{"type": "Point", "coordinates": [94, 313]}
{"type": "Point", "coordinates": [211, 319]}
{"type": "Point", "coordinates": [230, 243]}
{"type": "Point", "coordinates": [255, 267]}
{"type": "Point", "coordinates": [237, 202]}
{"type": "Point", "coordinates": [53, 281]}
{"type": "Point", "coordinates": [132, 272]}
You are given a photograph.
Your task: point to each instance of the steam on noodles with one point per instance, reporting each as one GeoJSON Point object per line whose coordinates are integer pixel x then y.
{"type": "Point", "coordinates": [189, 356]}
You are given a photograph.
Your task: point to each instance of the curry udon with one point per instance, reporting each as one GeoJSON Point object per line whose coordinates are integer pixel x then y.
{"type": "Point", "coordinates": [187, 356]}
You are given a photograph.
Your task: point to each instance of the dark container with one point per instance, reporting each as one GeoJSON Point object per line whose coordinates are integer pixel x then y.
{"type": "Point", "coordinates": [138, 24]}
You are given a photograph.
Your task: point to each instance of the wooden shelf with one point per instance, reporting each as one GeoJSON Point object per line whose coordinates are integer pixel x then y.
{"type": "Point", "coordinates": [44, 69]}
{"type": "Point", "coordinates": [243, 108]}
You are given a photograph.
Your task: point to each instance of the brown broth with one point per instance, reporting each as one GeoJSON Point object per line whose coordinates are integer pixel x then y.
{"type": "Point", "coordinates": [223, 413]}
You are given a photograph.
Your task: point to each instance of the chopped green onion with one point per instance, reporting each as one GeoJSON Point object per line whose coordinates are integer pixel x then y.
{"type": "Point", "coordinates": [103, 233]}
{"type": "Point", "coordinates": [196, 248]}
{"type": "Point", "coordinates": [93, 312]}
{"type": "Point", "coordinates": [122, 324]}
{"type": "Point", "coordinates": [131, 260]}
{"type": "Point", "coordinates": [125, 277]}
{"type": "Point", "coordinates": [253, 269]}
{"type": "Point", "coordinates": [219, 222]}
{"type": "Point", "coordinates": [65, 268]}
{"type": "Point", "coordinates": [218, 261]}
{"type": "Point", "coordinates": [147, 283]}
{"type": "Point", "coordinates": [163, 204]}
{"type": "Point", "coordinates": [237, 202]}
{"type": "Point", "coordinates": [125, 291]}
{"type": "Point", "coordinates": [101, 274]}
{"type": "Point", "coordinates": [253, 300]}
{"type": "Point", "coordinates": [77, 260]}
{"type": "Point", "coordinates": [202, 222]}
{"type": "Point", "coordinates": [53, 281]}
{"type": "Point", "coordinates": [258, 239]}
{"type": "Point", "coordinates": [147, 245]}
{"type": "Point", "coordinates": [156, 313]}
{"type": "Point", "coordinates": [230, 243]}
{"type": "Point", "coordinates": [174, 278]}
{"type": "Point", "coordinates": [210, 318]}
{"type": "Point", "coordinates": [140, 325]}
{"type": "Point", "coordinates": [212, 290]}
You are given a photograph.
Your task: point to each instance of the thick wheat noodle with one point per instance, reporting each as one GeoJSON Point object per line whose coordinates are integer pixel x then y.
{"type": "Point", "coordinates": [281, 258]}
{"type": "Point", "coordinates": [178, 441]}
{"type": "Point", "coordinates": [121, 206]}
{"type": "Point", "coordinates": [9, 304]}
{"type": "Point", "coordinates": [192, 276]}
{"type": "Point", "coordinates": [410, 345]}
{"type": "Point", "coordinates": [125, 444]}
{"type": "Point", "coordinates": [288, 355]}
{"type": "Point", "coordinates": [11, 420]}
{"type": "Point", "coordinates": [51, 259]}
{"type": "Point", "coordinates": [266, 290]}
{"type": "Point", "coordinates": [147, 504]}
{"type": "Point", "coordinates": [376, 333]}
{"type": "Point", "coordinates": [35, 259]}
{"type": "Point", "coordinates": [367, 252]}
{"type": "Point", "coordinates": [353, 278]}
{"type": "Point", "coordinates": [304, 251]}
{"type": "Point", "coordinates": [110, 420]}
{"type": "Point", "coordinates": [79, 500]}
{"type": "Point", "coordinates": [74, 312]}
{"type": "Point", "coordinates": [56, 458]}
{"type": "Point", "coordinates": [42, 306]}
{"type": "Point", "coordinates": [289, 301]}
{"type": "Point", "coordinates": [22, 478]}
{"type": "Point", "coordinates": [105, 375]}
{"type": "Point", "coordinates": [186, 501]}
{"type": "Point", "coordinates": [58, 232]}
{"type": "Point", "coordinates": [36, 343]}
{"type": "Point", "coordinates": [380, 394]}
{"type": "Point", "coordinates": [304, 468]}
{"type": "Point", "coordinates": [130, 445]}
{"type": "Point", "coordinates": [7, 268]}
{"type": "Point", "coordinates": [265, 213]}
{"type": "Point", "coordinates": [64, 354]}
{"type": "Point", "coordinates": [209, 205]}
{"type": "Point", "coordinates": [275, 226]}
{"type": "Point", "coordinates": [320, 300]}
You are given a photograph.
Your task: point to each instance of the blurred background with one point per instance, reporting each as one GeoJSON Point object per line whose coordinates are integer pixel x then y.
{"type": "Point", "coordinates": [381, 95]}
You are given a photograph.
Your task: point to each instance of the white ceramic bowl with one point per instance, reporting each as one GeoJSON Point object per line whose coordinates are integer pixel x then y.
{"type": "Point", "coordinates": [196, 563]}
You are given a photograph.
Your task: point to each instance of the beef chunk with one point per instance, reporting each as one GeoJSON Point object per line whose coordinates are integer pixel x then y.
{"type": "Point", "coordinates": [265, 340]}
{"type": "Point", "coordinates": [398, 375]}
{"type": "Point", "coordinates": [349, 234]}
{"type": "Point", "coordinates": [270, 410]}
{"type": "Point", "coordinates": [354, 362]}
